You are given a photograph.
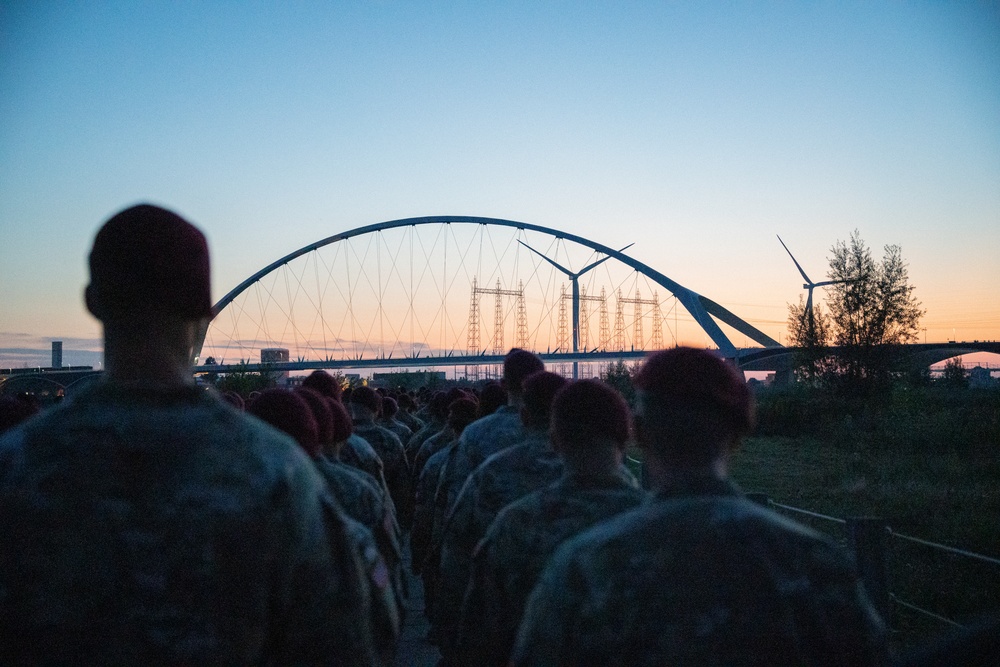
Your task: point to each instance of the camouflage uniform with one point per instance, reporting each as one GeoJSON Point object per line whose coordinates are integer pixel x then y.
{"type": "Point", "coordinates": [432, 446]}
{"type": "Point", "coordinates": [396, 469]}
{"type": "Point", "coordinates": [412, 422]}
{"type": "Point", "coordinates": [425, 557]}
{"type": "Point", "coordinates": [499, 481]}
{"type": "Point", "coordinates": [165, 527]}
{"type": "Point", "coordinates": [417, 439]}
{"type": "Point", "coordinates": [402, 431]}
{"type": "Point", "coordinates": [699, 576]}
{"type": "Point", "coordinates": [362, 501]}
{"type": "Point", "coordinates": [509, 559]}
{"type": "Point", "coordinates": [485, 437]}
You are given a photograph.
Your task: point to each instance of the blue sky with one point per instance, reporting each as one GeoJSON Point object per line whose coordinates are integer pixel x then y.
{"type": "Point", "coordinates": [699, 129]}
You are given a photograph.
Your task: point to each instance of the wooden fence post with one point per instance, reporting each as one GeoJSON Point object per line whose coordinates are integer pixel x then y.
{"type": "Point", "coordinates": [869, 537]}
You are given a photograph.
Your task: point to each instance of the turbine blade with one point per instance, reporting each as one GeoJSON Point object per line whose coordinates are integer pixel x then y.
{"type": "Point", "coordinates": [836, 282]}
{"type": "Point", "coordinates": [796, 262]}
{"type": "Point", "coordinates": [603, 259]}
{"type": "Point", "coordinates": [558, 266]}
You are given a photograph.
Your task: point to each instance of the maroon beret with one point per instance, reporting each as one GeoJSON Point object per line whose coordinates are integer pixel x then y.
{"type": "Point", "coordinates": [343, 427]}
{"type": "Point", "coordinates": [150, 259]}
{"type": "Point", "coordinates": [321, 413]}
{"type": "Point", "coordinates": [517, 366]}
{"type": "Point", "coordinates": [592, 409]}
{"type": "Point", "coordinates": [288, 412]}
{"type": "Point", "coordinates": [324, 383]}
{"type": "Point", "coordinates": [692, 378]}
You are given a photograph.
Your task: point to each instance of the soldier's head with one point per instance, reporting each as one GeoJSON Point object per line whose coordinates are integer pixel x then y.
{"type": "Point", "coordinates": [324, 383]}
{"type": "Point", "coordinates": [149, 287]}
{"type": "Point", "coordinates": [365, 401]}
{"type": "Point", "coordinates": [589, 420]}
{"type": "Point", "coordinates": [539, 391]}
{"type": "Point", "coordinates": [492, 398]}
{"type": "Point", "coordinates": [517, 366]}
{"type": "Point", "coordinates": [287, 411]}
{"type": "Point", "coordinates": [342, 426]}
{"type": "Point", "coordinates": [148, 266]}
{"type": "Point", "coordinates": [389, 407]}
{"type": "Point", "coordinates": [320, 409]}
{"type": "Point", "coordinates": [692, 408]}
{"type": "Point", "coordinates": [461, 413]}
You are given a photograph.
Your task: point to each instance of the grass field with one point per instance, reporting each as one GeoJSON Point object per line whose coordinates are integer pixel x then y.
{"type": "Point", "coordinates": [948, 497]}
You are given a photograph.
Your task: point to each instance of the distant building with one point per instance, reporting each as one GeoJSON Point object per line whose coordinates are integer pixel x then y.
{"type": "Point", "coordinates": [57, 354]}
{"type": "Point", "coordinates": [276, 355]}
{"type": "Point", "coordinates": [981, 378]}
{"type": "Point", "coordinates": [408, 379]}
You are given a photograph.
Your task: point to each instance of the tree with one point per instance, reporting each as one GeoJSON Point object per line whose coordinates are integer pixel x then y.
{"type": "Point", "coordinates": [954, 374]}
{"type": "Point", "coordinates": [810, 333]}
{"type": "Point", "coordinates": [619, 376]}
{"type": "Point", "coordinates": [871, 313]}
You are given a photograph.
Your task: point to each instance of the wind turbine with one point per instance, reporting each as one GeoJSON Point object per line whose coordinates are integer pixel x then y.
{"type": "Point", "coordinates": [575, 284]}
{"type": "Point", "coordinates": [810, 285]}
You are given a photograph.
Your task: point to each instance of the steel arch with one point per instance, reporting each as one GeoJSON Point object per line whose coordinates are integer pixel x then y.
{"type": "Point", "coordinates": [700, 307]}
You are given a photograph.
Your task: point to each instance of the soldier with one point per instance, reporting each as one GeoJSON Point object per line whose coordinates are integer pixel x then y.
{"type": "Point", "coordinates": [590, 430]}
{"type": "Point", "coordinates": [356, 452]}
{"type": "Point", "coordinates": [500, 430]}
{"type": "Point", "coordinates": [364, 406]}
{"type": "Point", "coordinates": [701, 575]}
{"type": "Point", "coordinates": [388, 420]}
{"type": "Point", "coordinates": [500, 480]}
{"type": "Point", "coordinates": [406, 408]}
{"type": "Point", "coordinates": [146, 520]}
{"type": "Point", "coordinates": [305, 415]}
{"type": "Point", "coordinates": [461, 413]}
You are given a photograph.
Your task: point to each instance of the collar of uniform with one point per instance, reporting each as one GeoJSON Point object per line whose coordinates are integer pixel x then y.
{"type": "Point", "coordinates": [697, 484]}
{"type": "Point", "coordinates": [108, 391]}
{"type": "Point", "coordinates": [592, 479]}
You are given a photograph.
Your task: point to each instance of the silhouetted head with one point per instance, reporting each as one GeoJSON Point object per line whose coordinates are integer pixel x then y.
{"type": "Point", "coordinates": [288, 412]}
{"type": "Point", "coordinates": [149, 261]}
{"type": "Point", "coordinates": [324, 383]}
{"type": "Point", "coordinates": [461, 413]}
{"type": "Point", "coordinates": [539, 391]}
{"type": "Point", "coordinates": [517, 366]}
{"type": "Point", "coordinates": [320, 408]}
{"type": "Point", "coordinates": [389, 407]}
{"type": "Point", "coordinates": [492, 398]}
{"type": "Point", "coordinates": [692, 407]}
{"type": "Point", "coordinates": [587, 414]}
{"type": "Point", "coordinates": [342, 425]}
{"type": "Point", "coordinates": [366, 397]}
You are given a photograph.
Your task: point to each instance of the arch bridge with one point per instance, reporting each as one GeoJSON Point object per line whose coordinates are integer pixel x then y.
{"type": "Point", "coordinates": [458, 291]}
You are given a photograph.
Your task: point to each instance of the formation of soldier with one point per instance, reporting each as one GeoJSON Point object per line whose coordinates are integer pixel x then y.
{"type": "Point", "coordinates": [148, 520]}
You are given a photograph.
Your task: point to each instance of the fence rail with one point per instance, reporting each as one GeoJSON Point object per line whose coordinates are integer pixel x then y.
{"type": "Point", "coordinates": [868, 537]}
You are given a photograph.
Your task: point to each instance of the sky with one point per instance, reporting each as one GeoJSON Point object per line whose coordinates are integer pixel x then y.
{"type": "Point", "coordinates": [699, 130]}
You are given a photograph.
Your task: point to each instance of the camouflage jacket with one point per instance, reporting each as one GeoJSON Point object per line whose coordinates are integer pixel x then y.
{"type": "Point", "coordinates": [485, 437]}
{"type": "Point", "coordinates": [165, 527]}
{"type": "Point", "coordinates": [402, 431]}
{"type": "Point", "coordinates": [432, 446]}
{"type": "Point", "coordinates": [509, 559]}
{"type": "Point", "coordinates": [412, 422]}
{"type": "Point", "coordinates": [499, 481]}
{"type": "Point", "coordinates": [699, 576]}
{"type": "Point", "coordinates": [395, 466]}
{"type": "Point", "coordinates": [363, 502]}
{"type": "Point", "coordinates": [419, 437]}
{"type": "Point", "coordinates": [421, 534]}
